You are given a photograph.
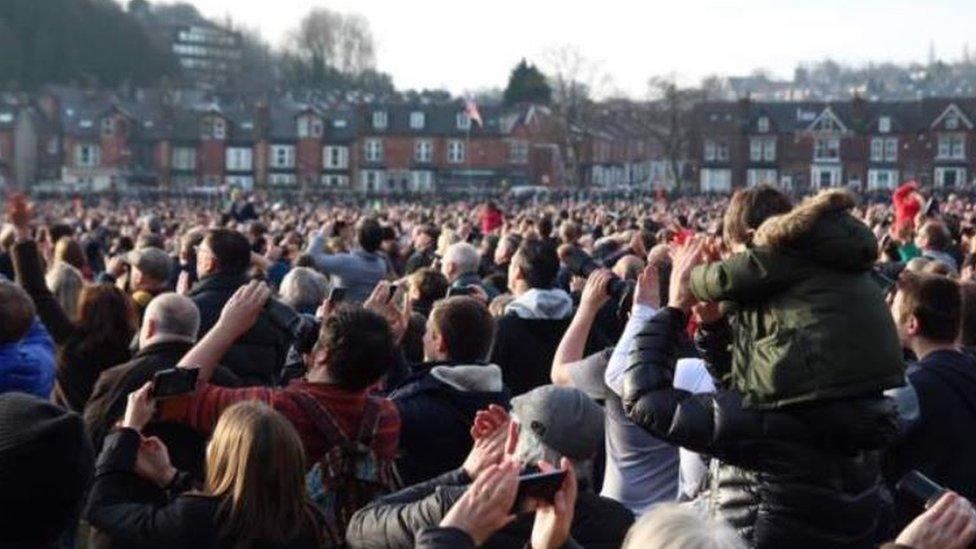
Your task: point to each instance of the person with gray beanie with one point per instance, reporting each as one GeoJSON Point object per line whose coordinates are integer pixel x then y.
{"type": "Point", "coordinates": [46, 467]}
{"type": "Point", "coordinates": [553, 422]}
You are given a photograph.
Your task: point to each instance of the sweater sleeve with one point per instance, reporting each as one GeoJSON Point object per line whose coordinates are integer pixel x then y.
{"type": "Point", "coordinates": [109, 509]}
{"type": "Point", "coordinates": [30, 276]}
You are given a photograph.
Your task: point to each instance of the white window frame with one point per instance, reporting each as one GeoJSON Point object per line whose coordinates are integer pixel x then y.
{"type": "Point", "coordinates": [421, 181]}
{"type": "Point", "coordinates": [423, 150]}
{"type": "Point", "coordinates": [418, 119]}
{"type": "Point", "coordinates": [456, 152]}
{"type": "Point", "coordinates": [708, 154]}
{"type": "Point", "coordinates": [939, 179]}
{"type": "Point", "coordinates": [835, 176]}
{"type": "Point", "coordinates": [282, 157]}
{"type": "Point", "coordinates": [762, 125]}
{"type": "Point", "coordinates": [755, 176]}
{"type": "Point", "coordinates": [891, 149]}
{"type": "Point", "coordinates": [877, 149]}
{"type": "Point", "coordinates": [309, 127]}
{"type": "Point", "coordinates": [951, 146]}
{"type": "Point", "coordinates": [380, 120]}
{"type": "Point", "coordinates": [755, 149]}
{"type": "Point", "coordinates": [884, 124]}
{"type": "Point", "coordinates": [282, 179]}
{"type": "Point", "coordinates": [335, 157]}
{"type": "Point", "coordinates": [108, 127]}
{"type": "Point", "coordinates": [219, 128]}
{"type": "Point", "coordinates": [463, 121]}
{"type": "Point", "coordinates": [716, 180]}
{"type": "Point", "coordinates": [518, 151]}
{"type": "Point", "coordinates": [335, 180]}
{"type": "Point", "coordinates": [88, 155]}
{"type": "Point", "coordinates": [184, 158]}
{"type": "Point", "coordinates": [373, 150]}
{"type": "Point", "coordinates": [824, 145]}
{"type": "Point", "coordinates": [882, 179]}
{"type": "Point", "coordinates": [372, 180]}
{"type": "Point", "coordinates": [239, 159]}
{"type": "Point", "coordinates": [722, 151]}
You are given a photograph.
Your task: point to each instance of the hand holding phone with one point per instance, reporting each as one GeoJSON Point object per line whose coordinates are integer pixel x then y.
{"type": "Point", "coordinates": [920, 488]}
{"type": "Point", "coordinates": [174, 382]}
{"type": "Point", "coordinates": [540, 486]}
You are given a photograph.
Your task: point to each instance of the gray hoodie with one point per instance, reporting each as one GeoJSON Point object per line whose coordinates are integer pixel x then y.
{"type": "Point", "coordinates": [554, 304]}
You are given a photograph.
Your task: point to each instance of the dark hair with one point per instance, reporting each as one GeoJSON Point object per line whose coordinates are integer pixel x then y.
{"type": "Point", "coordinates": [231, 248]}
{"type": "Point", "coordinates": [432, 285]}
{"type": "Point", "coordinates": [370, 234]}
{"type": "Point", "coordinates": [16, 313]}
{"type": "Point", "coordinates": [413, 339]}
{"type": "Point", "coordinates": [388, 233]}
{"type": "Point", "coordinates": [59, 231]}
{"type": "Point", "coordinates": [747, 210]}
{"type": "Point", "coordinates": [968, 329]}
{"type": "Point", "coordinates": [935, 301]}
{"type": "Point", "coordinates": [360, 346]}
{"type": "Point", "coordinates": [937, 235]}
{"type": "Point", "coordinates": [107, 320]}
{"type": "Point", "coordinates": [545, 227]}
{"type": "Point", "coordinates": [466, 326]}
{"type": "Point", "coordinates": [538, 261]}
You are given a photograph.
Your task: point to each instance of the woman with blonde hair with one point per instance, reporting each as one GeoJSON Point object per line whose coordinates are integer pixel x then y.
{"type": "Point", "coordinates": [679, 526]}
{"type": "Point", "coordinates": [66, 283]}
{"type": "Point", "coordinates": [68, 250]}
{"type": "Point", "coordinates": [254, 495]}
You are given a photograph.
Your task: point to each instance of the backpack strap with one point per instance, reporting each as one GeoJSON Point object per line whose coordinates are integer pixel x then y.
{"type": "Point", "coordinates": [369, 421]}
{"type": "Point", "coordinates": [321, 417]}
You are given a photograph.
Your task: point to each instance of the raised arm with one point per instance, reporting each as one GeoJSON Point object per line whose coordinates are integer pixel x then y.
{"type": "Point", "coordinates": [745, 277]}
{"type": "Point", "coordinates": [573, 344]}
{"type": "Point", "coordinates": [238, 315]}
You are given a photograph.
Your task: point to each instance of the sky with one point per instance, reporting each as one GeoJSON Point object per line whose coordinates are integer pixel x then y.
{"type": "Point", "coordinates": [466, 46]}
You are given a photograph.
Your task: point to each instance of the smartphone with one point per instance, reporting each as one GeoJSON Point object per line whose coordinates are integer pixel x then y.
{"type": "Point", "coordinates": [336, 295]}
{"type": "Point", "coordinates": [393, 290]}
{"type": "Point", "coordinates": [464, 290]}
{"type": "Point", "coordinates": [920, 488]}
{"type": "Point", "coordinates": [174, 382]}
{"type": "Point", "coordinates": [537, 486]}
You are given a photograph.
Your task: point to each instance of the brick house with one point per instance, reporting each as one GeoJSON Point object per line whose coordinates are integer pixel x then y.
{"type": "Point", "coordinates": [814, 145]}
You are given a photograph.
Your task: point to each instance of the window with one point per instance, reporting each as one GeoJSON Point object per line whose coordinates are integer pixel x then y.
{"type": "Point", "coordinates": [884, 124]}
{"type": "Point", "coordinates": [882, 179]}
{"type": "Point", "coordinates": [108, 127]}
{"type": "Point", "coordinates": [184, 158]}
{"type": "Point", "coordinates": [417, 120]}
{"type": "Point", "coordinates": [379, 120]}
{"type": "Point", "coordinates": [952, 146]}
{"type": "Point", "coordinates": [822, 177]}
{"type": "Point", "coordinates": [891, 149]}
{"type": "Point", "coordinates": [282, 156]}
{"type": "Point", "coordinates": [282, 179]}
{"type": "Point", "coordinates": [709, 154]}
{"type": "Point", "coordinates": [88, 156]}
{"type": "Point", "coordinates": [421, 181]}
{"type": "Point", "coordinates": [455, 152]}
{"type": "Point", "coordinates": [877, 150]}
{"type": "Point", "coordinates": [714, 151]}
{"type": "Point", "coordinates": [463, 121]}
{"type": "Point", "coordinates": [335, 157]}
{"type": "Point", "coordinates": [219, 128]}
{"type": "Point", "coordinates": [245, 182]}
{"type": "Point", "coordinates": [762, 125]}
{"type": "Point", "coordinates": [372, 180]}
{"type": "Point", "coordinates": [518, 151]}
{"type": "Point", "coordinates": [309, 126]}
{"type": "Point", "coordinates": [716, 180]}
{"type": "Point", "coordinates": [333, 180]}
{"type": "Point", "coordinates": [762, 149]}
{"type": "Point", "coordinates": [826, 148]}
{"type": "Point", "coordinates": [950, 177]}
{"type": "Point", "coordinates": [239, 159]}
{"type": "Point", "coordinates": [423, 150]}
{"type": "Point", "coordinates": [373, 150]}
{"type": "Point", "coordinates": [952, 122]}
{"type": "Point", "coordinates": [758, 177]}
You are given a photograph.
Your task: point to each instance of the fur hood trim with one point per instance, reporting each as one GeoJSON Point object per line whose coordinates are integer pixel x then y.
{"type": "Point", "coordinates": [782, 230]}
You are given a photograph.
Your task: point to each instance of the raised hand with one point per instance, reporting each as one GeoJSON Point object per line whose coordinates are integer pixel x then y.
{"type": "Point", "coordinates": [153, 464]}
{"type": "Point", "coordinates": [242, 309]}
{"type": "Point", "coordinates": [486, 505]}
{"type": "Point", "coordinates": [596, 291]}
{"type": "Point", "coordinates": [554, 520]}
{"type": "Point", "coordinates": [687, 257]}
{"type": "Point", "coordinates": [139, 408]}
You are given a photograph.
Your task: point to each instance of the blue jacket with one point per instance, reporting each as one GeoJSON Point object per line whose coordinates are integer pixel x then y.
{"type": "Point", "coordinates": [358, 272]}
{"type": "Point", "coordinates": [28, 365]}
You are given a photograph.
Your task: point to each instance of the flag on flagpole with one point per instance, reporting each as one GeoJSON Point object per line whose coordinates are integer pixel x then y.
{"type": "Point", "coordinates": [471, 108]}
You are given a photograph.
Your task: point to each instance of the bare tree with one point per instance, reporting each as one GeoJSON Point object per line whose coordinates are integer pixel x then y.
{"type": "Point", "coordinates": [574, 80]}
{"type": "Point", "coordinates": [325, 39]}
{"type": "Point", "coordinates": [668, 120]}
{"type": "Point", "coordinates": [354, 50]}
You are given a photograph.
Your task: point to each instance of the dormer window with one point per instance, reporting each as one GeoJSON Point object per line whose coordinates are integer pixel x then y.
{"type": "Point", "coordinates": [417, 120]}
{"type": "Point", "coordinates": [884, 124]}
{"type": "Point", "coordinates": [762, 125]}
{"type": "Point", "coordinates": [219, 128]}
{"type": "Point", "coordinates": [309, 126]}
{"type": "Point", "coordinates": [463, 121]}
{"type": "Point", "coordinates": [379, 120]}
{"type": "Point", "coordinates": [952, 122]}
{"type": "Point", "coordinates": [108, 127]}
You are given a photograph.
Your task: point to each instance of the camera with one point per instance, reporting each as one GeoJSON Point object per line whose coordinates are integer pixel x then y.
{"type": "Point", "coordinates": [582, 265]}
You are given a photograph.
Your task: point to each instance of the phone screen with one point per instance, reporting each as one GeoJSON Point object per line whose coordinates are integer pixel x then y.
{"type": "Point", "coordinates": [537, 486]}
{"type": "Point", "coordinates": [174, 381]}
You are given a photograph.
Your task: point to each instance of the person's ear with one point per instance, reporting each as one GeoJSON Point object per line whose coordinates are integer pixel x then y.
{"type": "Point", "coordinates": [440, 344]}
{"type": "Point", "coordinates": [151, 328]}
{"type": "Point", "coordinates": [914, 326]}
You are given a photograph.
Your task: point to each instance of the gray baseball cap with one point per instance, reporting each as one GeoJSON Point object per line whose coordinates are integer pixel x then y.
{"type": "Point", "coordinates": [563, 418]}
{"type": "Point", "coordinates": [153, 262]}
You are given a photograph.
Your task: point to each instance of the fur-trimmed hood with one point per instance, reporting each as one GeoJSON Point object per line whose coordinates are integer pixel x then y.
{"type": "Point", "coordinates": [822, 229]}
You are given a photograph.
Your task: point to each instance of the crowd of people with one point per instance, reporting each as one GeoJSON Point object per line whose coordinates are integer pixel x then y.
{"type": "Point", "coordinates": [760, 370]}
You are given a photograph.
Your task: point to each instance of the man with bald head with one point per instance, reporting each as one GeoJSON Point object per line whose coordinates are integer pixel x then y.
{"type": "Point", "coordinates": [168, 331]}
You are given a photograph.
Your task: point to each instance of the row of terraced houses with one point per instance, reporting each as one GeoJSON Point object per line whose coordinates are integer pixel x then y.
{"type": "Point", "coordinates": [73, 139]}
{"type": "Point", "coordinates": [812, 145]}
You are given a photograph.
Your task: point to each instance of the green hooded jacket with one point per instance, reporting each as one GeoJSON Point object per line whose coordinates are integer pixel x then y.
{"type": "Point", "coordinates": [809, 321]}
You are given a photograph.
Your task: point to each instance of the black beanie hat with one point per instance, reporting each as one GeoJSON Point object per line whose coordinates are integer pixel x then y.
{"type": "Point", "coordinates": [46, 467]}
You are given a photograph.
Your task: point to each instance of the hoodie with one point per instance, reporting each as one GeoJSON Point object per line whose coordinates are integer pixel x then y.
{"type": "Point", "coordinates": [437, 407]}
{"type": "Point", "coordinates": [27, 365]}
{"type": "Point", "coordinates": [536, 303]}
{"type": "Point", "coordinates": [940, 442]}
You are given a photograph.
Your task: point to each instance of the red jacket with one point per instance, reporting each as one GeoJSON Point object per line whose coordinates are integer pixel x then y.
{"type": "Point", "coordinates": [491, 219]}
{"type": "Point", "coordinates": [906, 204]}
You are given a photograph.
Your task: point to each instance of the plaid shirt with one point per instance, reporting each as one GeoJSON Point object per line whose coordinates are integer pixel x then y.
{"type": "Point", "coordinates": [202, 409]}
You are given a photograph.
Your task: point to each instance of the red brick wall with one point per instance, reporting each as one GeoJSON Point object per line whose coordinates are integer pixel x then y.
{"type": "Point", "coordinates": [210, 158]}
{"type": "Point", "coordinates": [308, 159]}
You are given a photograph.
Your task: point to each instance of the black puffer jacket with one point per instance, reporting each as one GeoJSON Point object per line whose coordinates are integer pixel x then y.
{"type": "Point", "coordinates": [807, 475]}
{"type": "Point", "coordinates": [259, 355]}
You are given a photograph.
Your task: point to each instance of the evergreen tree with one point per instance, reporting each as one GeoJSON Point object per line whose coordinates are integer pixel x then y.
{"type": "Point", "coordinates": [527, 84]}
